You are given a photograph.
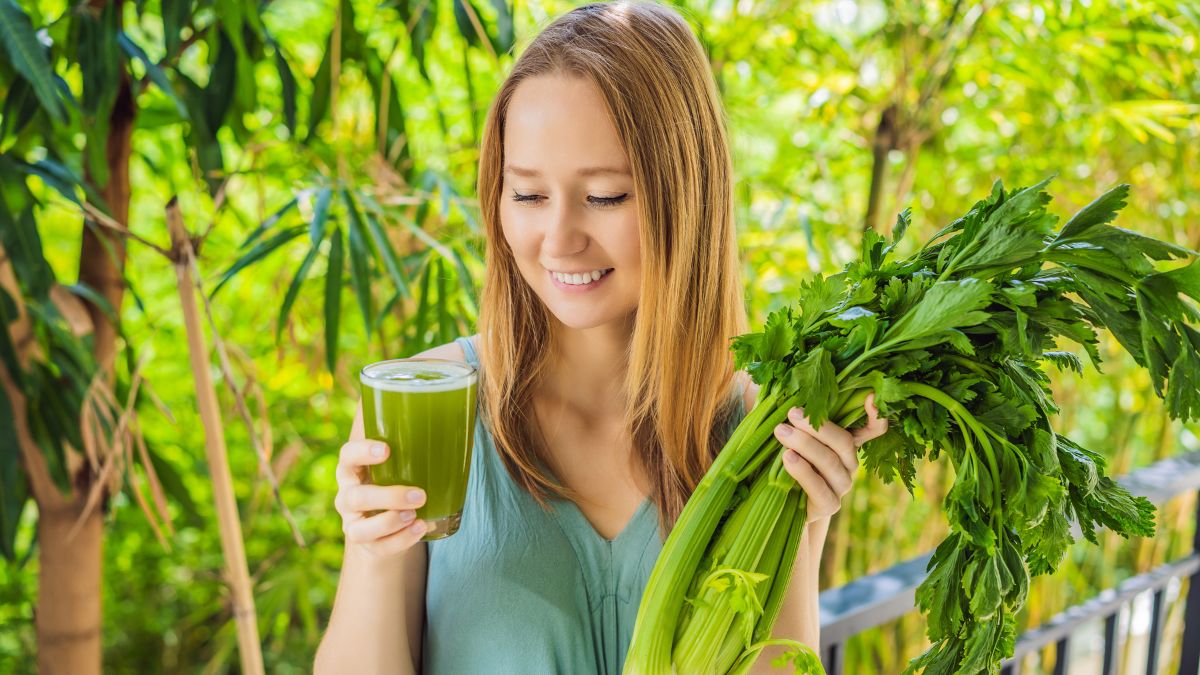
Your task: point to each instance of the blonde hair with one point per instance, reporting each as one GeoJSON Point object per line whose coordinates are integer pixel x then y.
{"type": "Point", "coordinates": [662, 99]}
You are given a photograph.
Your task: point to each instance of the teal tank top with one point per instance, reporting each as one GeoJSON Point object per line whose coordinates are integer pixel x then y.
{"type": "Point", "coordinates": [524, 591]}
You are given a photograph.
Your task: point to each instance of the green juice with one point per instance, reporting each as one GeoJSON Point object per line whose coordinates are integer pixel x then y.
{"type": "Point", "coordinates": [424, 409]}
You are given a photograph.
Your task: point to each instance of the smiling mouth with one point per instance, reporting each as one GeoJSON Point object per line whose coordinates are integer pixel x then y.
{"type": "Point", "coordinates": [581, 280]}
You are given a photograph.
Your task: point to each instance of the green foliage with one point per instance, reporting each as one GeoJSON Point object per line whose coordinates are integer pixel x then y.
{"type": "Point", "coordinates": [29, 58]}
{"type": "Point", "coordinates": [803, 87]}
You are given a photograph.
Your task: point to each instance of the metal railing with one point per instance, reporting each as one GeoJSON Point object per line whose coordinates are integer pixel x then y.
{"type": "Point", "coordinates": [876, 599]}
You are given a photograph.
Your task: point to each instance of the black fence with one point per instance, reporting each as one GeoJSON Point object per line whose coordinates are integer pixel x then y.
{"type": "Point", "coordinates": [876, 599]}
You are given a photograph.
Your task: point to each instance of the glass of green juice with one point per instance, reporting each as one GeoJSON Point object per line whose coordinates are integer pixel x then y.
{"type": "Point", "coordinates": [424, 409]}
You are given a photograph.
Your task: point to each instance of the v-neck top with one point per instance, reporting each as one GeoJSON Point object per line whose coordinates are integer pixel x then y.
{"type": "Point", "coordinates": [522, 590]}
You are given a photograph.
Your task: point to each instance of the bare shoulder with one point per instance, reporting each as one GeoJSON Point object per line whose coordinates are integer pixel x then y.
{"type": "Point", "coordinates": [451, 351]}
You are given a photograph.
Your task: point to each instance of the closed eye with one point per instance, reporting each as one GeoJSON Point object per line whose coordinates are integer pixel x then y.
{"type": "Point", "coordinates": [608, 201]}
{"type": "Point", "coordinates": [599, 202]}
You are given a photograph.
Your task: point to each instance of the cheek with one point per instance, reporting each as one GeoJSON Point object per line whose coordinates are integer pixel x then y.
{"type": "Point", "coordinates": [518, 237]}
{"type": "Point", "coordinates": [631, 250]}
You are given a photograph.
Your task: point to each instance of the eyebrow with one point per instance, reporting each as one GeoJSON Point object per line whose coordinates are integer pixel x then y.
{"type": "Point", "coordinates": [589, 171]}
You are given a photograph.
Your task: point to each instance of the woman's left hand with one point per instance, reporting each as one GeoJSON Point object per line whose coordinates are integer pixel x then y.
{"type": "Point", "coordinates": [824, 461]}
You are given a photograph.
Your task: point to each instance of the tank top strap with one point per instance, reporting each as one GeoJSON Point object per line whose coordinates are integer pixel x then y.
{"type": "Point", "coordinates": [468, 347]}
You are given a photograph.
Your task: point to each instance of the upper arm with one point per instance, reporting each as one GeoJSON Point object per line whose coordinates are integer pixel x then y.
{"type": "Point", "coordinates": [451, 351]}
{"type": "Point", "coordinates": [416, 560]}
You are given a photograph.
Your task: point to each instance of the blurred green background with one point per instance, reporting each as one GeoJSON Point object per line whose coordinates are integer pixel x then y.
{"type": "Point", "coordinates": [299, 133]}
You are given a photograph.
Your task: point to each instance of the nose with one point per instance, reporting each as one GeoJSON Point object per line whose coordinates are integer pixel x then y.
{"type": "Point", "coordinates": [563, 237]}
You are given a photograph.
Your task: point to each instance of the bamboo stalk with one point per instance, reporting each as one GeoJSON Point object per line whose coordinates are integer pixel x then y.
{"type": "Point", "coordinates": [232, 547]}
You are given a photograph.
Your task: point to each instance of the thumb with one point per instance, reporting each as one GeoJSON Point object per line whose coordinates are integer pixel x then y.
{"type": "Point", "coordinates": [875, 427]}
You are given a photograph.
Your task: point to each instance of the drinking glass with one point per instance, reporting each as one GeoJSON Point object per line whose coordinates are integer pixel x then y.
{"type": "Point", "coordinates": [424, 409]}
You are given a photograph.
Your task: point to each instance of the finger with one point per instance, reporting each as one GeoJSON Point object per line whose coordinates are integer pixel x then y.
{"type": "Point", "coordinates": [367, 530]}
{"type": "Point", "coordinates": [837, 438]}
{"type": "Point", "coordinates": [814, 486]}
{"type": "Point", "coordinates": [400, 541]}
{"type": "Point", "coordinates": [354, 500]}
{"type": "Point", "coordinates": [876, 426]}
{"type": "Point", "coordinates": [830, 464]}
{"type": "Point", "coordinates": [355, 455]}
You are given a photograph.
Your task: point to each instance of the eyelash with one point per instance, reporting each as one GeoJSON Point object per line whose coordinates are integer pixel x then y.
{"type": "Point", "coordinates": [598, 202]}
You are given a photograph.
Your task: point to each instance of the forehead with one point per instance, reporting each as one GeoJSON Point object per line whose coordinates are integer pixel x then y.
{"type": "Point", "coordinates": [560, 124]}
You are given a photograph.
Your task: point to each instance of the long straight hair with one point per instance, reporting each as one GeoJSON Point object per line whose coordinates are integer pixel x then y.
{"type": "Point", "coordinates": [660, 94]}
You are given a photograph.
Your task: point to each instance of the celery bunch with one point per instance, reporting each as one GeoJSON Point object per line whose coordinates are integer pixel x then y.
{"type": "Point", "coordinates": [953, 339]}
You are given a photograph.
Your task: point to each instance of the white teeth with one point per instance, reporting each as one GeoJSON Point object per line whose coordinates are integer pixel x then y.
{"type": "Point", "coordinates": [580, 279]}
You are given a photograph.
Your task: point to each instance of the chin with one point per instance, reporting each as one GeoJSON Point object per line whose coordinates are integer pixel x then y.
{"type": "Point", "coordinates": [578, 316]}
{"type": "Point", "coordinates": [583, 320]}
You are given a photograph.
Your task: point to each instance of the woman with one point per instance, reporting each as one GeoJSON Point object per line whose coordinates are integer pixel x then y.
{"type": "Point", "coordinates": [606, 382]}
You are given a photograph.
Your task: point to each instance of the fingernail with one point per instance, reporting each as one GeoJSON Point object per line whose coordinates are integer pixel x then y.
{"type": "Point", "coordinates": [378, 450]}
{"type": "Point", "coordinates": [783, 430]}
{"type": "Point", "coordinates": [420, 527]}
{"type": "Point", "coordinates": [407, 515]}
{"type": "Point", "coordinates": [415, 495]}
{"type": "Point", "coordinates": [789, 456]}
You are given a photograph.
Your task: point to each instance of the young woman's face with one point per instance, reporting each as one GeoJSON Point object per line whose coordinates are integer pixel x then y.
{"type": "Point", "coordinates": [568, 204]}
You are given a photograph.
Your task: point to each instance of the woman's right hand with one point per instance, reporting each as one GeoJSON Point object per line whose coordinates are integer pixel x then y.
{"type": "Point", "coordinates": [395, 528]}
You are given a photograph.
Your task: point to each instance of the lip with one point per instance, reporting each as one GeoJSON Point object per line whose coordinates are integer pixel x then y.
{"type": "Point", "coordinates": [578, 289]}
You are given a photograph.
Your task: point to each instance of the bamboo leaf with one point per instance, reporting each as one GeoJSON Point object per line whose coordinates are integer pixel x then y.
{"type": "Point", "coordinates": [257, 253]}
{"type": "Point", "coordinates": [333, 299]}
{"type": "Point", "coordinates": [390, 263]}
{"type": "Point", "coordinates": [13, 489]}
{"type": "Point", "coordinates": [23, 243]}
{"type": "Point", "coordinates": [396, 124]}
{"type": "Point", "coordinates": [8, 351]}
{"type": "Point", "coordinates": [318, 102]}
{"type": "Point", "coordinates": [360, 257]}
{"type": "Point", "coordinates": [448, 253]}
{"type": "Point", "coordinates": [175, 15]}
{"type": "Point", "coordinates": [270, 222]}
{"type": "Point", "coordinates": [421, 318]}
{"type": "Point", "coordinates": [20, 105]}
{"type": "Point", "coordinates": [445, 327]}
{"type": "Point", "coordinates": [466, 28]}
{"type": "Point", "coordinates": [383, 313]}
{"type": "Point", "coordinates": [222, 81]}
{"type": "Point", "coordinates": [422, 31]}
{"type": "Point", "coordinates": [157, 76]}
{"type": "Point", "coordinates": [505, 34]}
{"type": "Point", "coordinates": [29, 57]}
{"type": "Point", "coordinates": [316, 227]}
{"type": "Point", "coordinates": [294, 288]}
{"type": "Point", "coordinates": [99, 301]}
{"type": "Point", "coordinates": [63, 180]}
{"type": "Point", "coordinates": [99, 58]}
{"type": "Point", "coordinates": [200, 137]}
{"type": "Point", "coordinates": [101, 67]}
{"type": "Point", "coordinates": [288, 82]}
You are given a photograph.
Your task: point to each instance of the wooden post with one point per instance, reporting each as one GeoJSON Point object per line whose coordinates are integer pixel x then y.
{"type": "Point", "coordinates": [228, 521]}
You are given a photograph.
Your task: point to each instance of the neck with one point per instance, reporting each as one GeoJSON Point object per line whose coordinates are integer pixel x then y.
{"type": "Point", "coordinates": [587, 373]}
